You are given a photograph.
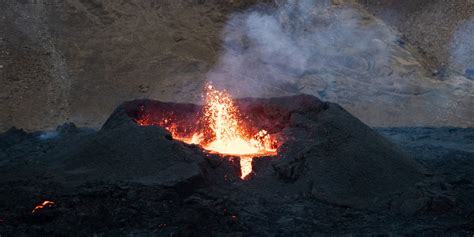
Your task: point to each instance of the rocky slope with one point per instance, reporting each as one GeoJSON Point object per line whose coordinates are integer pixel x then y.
{"type": "Point", "coordinates": [76, 60]}
{"type": "Point", "coordinates": [432, 26]}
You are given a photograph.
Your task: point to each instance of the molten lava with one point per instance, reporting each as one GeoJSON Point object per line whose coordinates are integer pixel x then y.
{"type": "Point", "coordinates": [222, 130]}
{"type": "Point", "coordinates": [44, 204]}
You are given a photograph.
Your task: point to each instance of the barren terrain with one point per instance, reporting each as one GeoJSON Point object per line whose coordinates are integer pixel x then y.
{"type": "Point", "coordinates": [76, 60]}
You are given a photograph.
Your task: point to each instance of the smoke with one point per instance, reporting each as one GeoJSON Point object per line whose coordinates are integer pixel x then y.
{"type": "Point", "coordinates": [270, 52]}
{"type": "Point", "coordinates": [340, 53]}
{"type": "Point", "coordinates": [462, 54]}
{"type": "Point", "coordinates": [48, 135]}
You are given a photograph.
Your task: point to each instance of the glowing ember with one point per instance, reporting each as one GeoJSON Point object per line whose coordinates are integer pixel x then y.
{"type": "Point", "coordinates": [222, 131]}
{"type": "Point", "coordinates": [44, 204]}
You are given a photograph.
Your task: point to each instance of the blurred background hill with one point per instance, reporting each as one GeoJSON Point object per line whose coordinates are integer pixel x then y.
{"type": "Point", "coordinates": [76, 60]}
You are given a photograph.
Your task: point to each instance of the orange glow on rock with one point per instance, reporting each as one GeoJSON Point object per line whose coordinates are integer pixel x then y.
{"type": "Point", "coordinates": [45, 204]}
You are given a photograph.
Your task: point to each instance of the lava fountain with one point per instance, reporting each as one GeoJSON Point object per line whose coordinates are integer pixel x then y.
{"type": "Point", "coordinates": [221, 129]}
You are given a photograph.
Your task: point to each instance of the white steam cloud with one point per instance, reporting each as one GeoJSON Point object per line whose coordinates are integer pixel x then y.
{"type": "Point", "coordinates": [266, 49]}
{"type": "Point", "coordinates": [340, 53]}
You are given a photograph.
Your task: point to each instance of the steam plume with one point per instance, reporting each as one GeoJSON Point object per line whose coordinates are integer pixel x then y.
{"type": "Point", "coordinates": [342, 54]}
{"type": "Point", "coordinates": [265, 49]}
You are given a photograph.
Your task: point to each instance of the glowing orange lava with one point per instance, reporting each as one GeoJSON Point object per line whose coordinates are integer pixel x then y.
{"type": "Point", "coordinates": [44, 204]}
{"type": "Point", "coordinates": [229, 134]}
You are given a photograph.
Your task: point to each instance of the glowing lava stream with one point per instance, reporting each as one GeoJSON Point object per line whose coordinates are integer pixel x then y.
{"type": "Point", "coordinates": [230, 135]}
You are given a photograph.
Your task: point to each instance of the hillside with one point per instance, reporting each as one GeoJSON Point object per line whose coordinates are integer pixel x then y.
{"type": "Point", "coordinates": [76, 60]}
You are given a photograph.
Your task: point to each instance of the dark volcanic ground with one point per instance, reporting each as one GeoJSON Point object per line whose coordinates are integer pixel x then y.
{"type": "Point", "coordinates": [134, 209]}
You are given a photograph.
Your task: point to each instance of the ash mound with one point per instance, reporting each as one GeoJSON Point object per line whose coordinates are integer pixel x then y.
{"type": "Point", "coordinates": [131, 153]}
{"type": "Point", "coordinates": [326, 153]}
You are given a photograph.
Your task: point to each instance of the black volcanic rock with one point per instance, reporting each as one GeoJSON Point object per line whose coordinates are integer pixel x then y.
{"type": "Point", "coordinates": [326, 154]}
{"type": "Point", "coordinates": [334, 157]}
{"type": "Point", "coordinates": [332, 176]}
{"type": "Point", "coordinates": [133, 153]}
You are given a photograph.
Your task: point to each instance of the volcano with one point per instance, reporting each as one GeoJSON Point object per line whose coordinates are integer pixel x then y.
{"type": "Point", "coordinates": [317, 148]}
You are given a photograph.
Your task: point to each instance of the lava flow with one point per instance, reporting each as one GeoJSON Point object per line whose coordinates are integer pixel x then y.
{"type": "Point", "coordinates": [222, 130]}
{"type": "Point", "coordinates": [44, 204]}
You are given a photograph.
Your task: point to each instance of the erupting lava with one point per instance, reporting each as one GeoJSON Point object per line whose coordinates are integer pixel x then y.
{"type": "Point", "coordinates": [222, 131]}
